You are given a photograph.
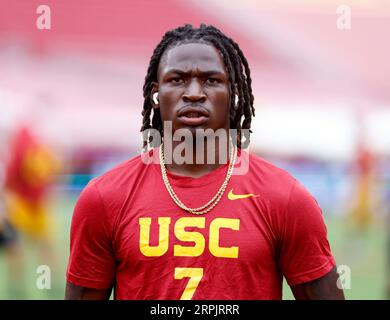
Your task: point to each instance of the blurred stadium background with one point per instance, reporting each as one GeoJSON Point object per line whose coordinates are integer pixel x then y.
{"type": "Point", "coordinates": [322, 98]}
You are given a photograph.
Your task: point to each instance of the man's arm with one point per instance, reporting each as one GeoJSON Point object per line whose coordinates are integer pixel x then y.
{"type": "Point", "coordinates": [74, 292]}
{"type": "Point", "coordinates": [92, 258]}
{"type": "Point", "coordinates": [324, 288]}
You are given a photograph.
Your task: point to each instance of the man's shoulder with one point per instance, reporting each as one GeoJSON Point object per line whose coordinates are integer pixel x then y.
{"type": "Point", "coordinates": [279, 184]}
{"type": "Point", "coordinates": [122, 175]}
{"type": "Point", "coordinates": [104, 194]}
{"type": "Point", "coordinates": [266, 178]}
{"type": "Point", "coordinates": [263, 169]}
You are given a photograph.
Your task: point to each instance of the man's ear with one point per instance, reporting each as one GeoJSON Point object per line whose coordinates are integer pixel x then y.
{"type": "Point", "coordinates": [153, 93]}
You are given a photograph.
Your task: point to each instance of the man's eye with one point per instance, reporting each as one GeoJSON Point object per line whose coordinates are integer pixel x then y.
{"type": "Point", "coordinates": [212, 81]}
{"type": "Point", "coordinates": [176, 80]}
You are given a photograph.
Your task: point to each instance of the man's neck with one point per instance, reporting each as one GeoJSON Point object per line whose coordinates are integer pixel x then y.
{"type": "Point", "coordinates": [214, 157]}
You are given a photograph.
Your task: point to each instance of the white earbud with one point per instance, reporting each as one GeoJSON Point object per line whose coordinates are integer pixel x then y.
{"type": "Point", "coordinates": [155, 99]}
{"type": "Point", "coordinates": [235, 100]}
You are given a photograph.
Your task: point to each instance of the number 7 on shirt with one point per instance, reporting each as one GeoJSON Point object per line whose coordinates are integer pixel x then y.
{"type": "Point", "coordinates": [195, 275]}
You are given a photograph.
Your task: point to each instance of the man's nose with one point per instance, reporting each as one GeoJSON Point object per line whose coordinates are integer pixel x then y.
{"type": "Point", "coordinates": [194, 92]}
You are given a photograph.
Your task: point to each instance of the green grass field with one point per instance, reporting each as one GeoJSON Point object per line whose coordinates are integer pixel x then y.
{"type": "Point", "coordinates": [365, 254]}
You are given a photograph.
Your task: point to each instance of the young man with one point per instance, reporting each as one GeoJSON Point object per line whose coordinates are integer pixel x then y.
{"type": "Point", "coordinates": [171, 230]}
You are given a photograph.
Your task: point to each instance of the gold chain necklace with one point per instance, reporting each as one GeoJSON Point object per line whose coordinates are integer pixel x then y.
{"type": "Point", "coordinates": [214, 201]}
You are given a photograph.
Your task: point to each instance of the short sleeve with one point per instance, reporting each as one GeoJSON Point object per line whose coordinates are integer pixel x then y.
{"type": "Point", "coordinates": [305, 254]}
{"type": "Point", "coordinates": [91, 261]}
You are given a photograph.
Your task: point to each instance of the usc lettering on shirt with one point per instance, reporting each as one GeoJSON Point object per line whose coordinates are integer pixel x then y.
{"type": "Point", "coordinates": [187, 236]}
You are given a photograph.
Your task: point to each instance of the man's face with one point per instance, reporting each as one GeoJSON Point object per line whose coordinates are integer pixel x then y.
{"type": "Point", "coordinates": [193, 88]}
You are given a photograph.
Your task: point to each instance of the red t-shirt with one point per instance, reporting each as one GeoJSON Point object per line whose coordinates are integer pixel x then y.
{"type": "Point", "coordinates": [128, 233]}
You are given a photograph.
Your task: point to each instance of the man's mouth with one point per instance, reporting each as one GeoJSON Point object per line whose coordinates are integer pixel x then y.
{"type": "Point", "coordinates": [193, 116]}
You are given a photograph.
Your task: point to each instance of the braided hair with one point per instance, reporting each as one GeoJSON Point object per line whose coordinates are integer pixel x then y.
{"type": "Point", "coordinates": [238, 73]}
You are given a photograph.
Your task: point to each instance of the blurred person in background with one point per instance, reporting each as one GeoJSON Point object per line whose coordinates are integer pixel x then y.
{"type": "Point", "coordinates": [8, 236]}
{"type": "Point", "coordinates": [29, 170]}
{"type": "Point", "coordinates": [364, 201]}
{"type": "Point", "coordinates": [386, 204]}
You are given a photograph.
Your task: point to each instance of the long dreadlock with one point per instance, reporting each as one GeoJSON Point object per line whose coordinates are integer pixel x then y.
{"type": "Point", "coordinates": [238, 73]}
